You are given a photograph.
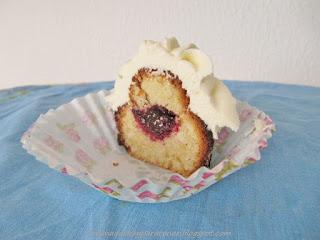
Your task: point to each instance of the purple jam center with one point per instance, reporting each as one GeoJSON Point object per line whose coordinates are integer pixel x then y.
{"type": "Point", "coordinates": [156, 121]}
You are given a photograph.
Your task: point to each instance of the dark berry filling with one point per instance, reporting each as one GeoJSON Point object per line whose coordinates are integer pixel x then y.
{"type": "Point", "coordinates": [156, 121]}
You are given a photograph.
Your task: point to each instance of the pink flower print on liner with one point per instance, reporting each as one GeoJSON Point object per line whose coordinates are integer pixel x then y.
{"type": "Point", "coordinates": [268, 120]}
{"type": "Point", "coordinates": [245, 114]}
{"type": "Point", "coordinates": [262, 144]}
{"type": "Point", "coordinates": [107, 190]}
{"type": "Point", "coordinates": [54, 144]}
{"type": "Point", "coordinates": [73, 134]}
{"type": "Point", "coordinates": [64, 171]}
{"type": "Point", "coordinates": [180, 181]}
{"type": "Point", "coordinates": [223, 135]}
{"type": "Point", "coordinates": [207, 175]}
{"type": "Point", "coordinates": [148, 194]}
{"type": "Point", "coordinates": [84, 159]}
{"type": "Point", "coordinates": [70, 131]}
{"type": "Point", "coordinates": [138, 185]}
{"type": "Point", "coordinates": [101, 144]}
{"type": "Point", "coordinates": [104, 189]}
{"type": "Point", "coordinates": [89, 118]}
{"type": "Point", "coordinates": [201, 184]}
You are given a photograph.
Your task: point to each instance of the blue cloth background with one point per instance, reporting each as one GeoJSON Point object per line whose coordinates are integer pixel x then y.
{"type": "Point", "coordinates": [276, 198]}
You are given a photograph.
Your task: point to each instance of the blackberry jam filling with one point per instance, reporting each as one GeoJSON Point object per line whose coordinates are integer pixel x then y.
{"type": "Point", "coordinates": [156, 121]}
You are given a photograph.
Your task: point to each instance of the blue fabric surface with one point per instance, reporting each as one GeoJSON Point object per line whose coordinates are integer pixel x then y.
{"type": "Point", "coordinates": [276, 198]}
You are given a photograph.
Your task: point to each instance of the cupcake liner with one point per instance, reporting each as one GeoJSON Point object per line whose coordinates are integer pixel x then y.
{"type": "Point", "coordinates": [79, 139]}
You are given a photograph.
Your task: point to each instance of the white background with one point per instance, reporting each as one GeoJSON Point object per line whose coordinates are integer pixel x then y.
{"type": "Point", "coordinates": [69, 41]}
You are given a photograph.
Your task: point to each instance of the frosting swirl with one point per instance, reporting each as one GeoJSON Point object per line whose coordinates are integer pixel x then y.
{"type": "Point", "coordinates": [210, 99]}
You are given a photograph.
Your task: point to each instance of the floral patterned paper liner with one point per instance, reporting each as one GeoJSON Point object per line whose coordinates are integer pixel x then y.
{"type": "Point", "coordinates": [51, 137]}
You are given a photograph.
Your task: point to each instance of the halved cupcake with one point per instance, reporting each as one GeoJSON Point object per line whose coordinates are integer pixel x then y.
{"type": "Point", "coordinates": [169, 107]}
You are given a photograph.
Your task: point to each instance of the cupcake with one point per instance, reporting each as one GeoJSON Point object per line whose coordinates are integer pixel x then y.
{"type": "Point", "coordinates": [169, 107]}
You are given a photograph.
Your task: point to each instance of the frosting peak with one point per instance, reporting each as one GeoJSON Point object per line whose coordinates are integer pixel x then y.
{"type": "Point", "coordinates": [210, 99]}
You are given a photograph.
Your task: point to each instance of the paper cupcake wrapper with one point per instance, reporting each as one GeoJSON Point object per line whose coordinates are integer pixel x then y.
{"type": "Point", "coordinates": [79, 139]}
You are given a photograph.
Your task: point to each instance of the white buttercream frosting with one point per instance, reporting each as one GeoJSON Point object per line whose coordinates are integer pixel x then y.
{"type": "Point", "coordinates": [210, 99]}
